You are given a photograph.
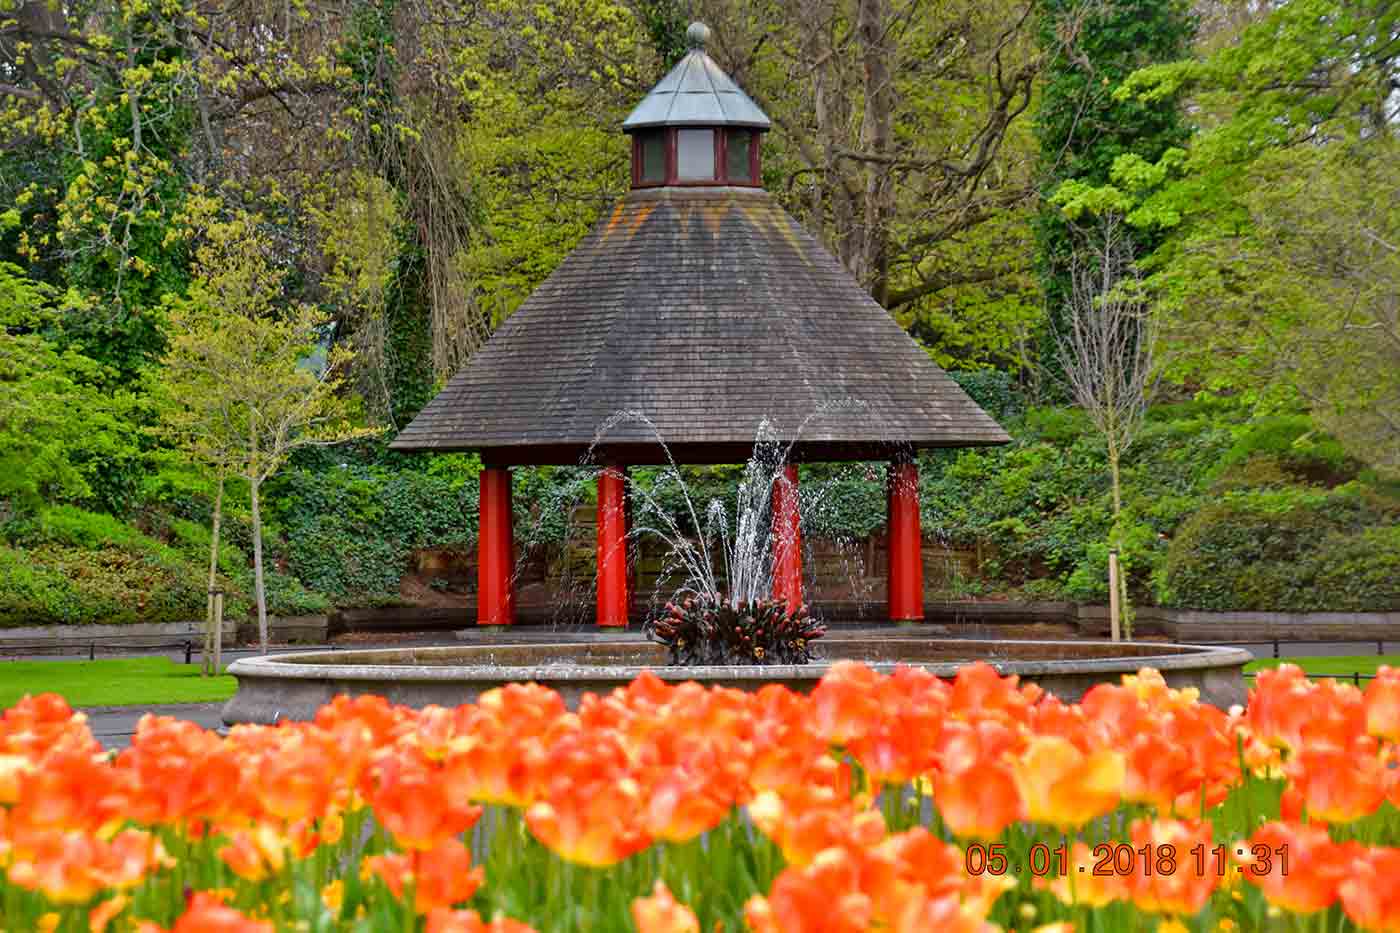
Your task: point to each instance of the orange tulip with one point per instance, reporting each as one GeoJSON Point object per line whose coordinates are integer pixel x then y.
{"type": "Point", "coordinates": [683, 804]}
{"type": "Point", "coordinates": [441, 877]}
{"type": "Point", "coordinates": [1370, 895]}
{"type": "Point", "coordinates": [595, 824]}
{"type": "Point", "coordinates": [71, 867]}
{"type": "Point", "coordinates": [823, 897]}
{"type": "Point", "coordinates": [206, 914]}
{"type": "Point", "coordinates": [979, 692]}
{"type": "Point", "coordinates": [37, 726]}
{"type": "Point", "coordinates": [1079, 886]}
{"type": "Point", "coordinates": [1382, 701]}
{"type": "Point", "coordinates": [298, 782]}
{"type": "Point", "coordinates": [945, 914]}
{"type": "Point", "coordinates": [256, 852]}
{"type": "Point", "coordinates": [1316, 866]}
{"type": "Point", "coordinates": [661, 914]}
{"type": "Point", "coordinates": [844, 705]}
{"type": "Point", "coordinates": [1065, 787]}
{"type": "Point", "coordinates": [897, 746]}
{"type": "Point", "coordinates": [1339, 785]}
{"type": "Point", "coordinates": [974, 788]}
{"type": "Point", "coordinates": [178, 771]}
{"type": "Point", "coordinates": [1288, 711]}
{"type": "Point", "coordinates": [1178, 891]}
{"type": "Point", "coordinates": [803, 825]}
{"type": "Point", "coordinates": [925, 869]}
{"type": "Point", "coordinates": [412, 801]}
{"type": "Point", "coordinates": [443, 920]}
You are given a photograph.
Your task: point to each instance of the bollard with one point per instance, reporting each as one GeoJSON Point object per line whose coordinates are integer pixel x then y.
{"type": "Point", "coordinates": [189, 649]}
{"type": "Point", "coordinates": [92, 651]}
{"type": "Point", "coordinates": [1276, 647]}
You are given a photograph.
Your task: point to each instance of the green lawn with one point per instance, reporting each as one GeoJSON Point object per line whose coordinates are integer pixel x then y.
{"type": "Point", "coordinates": [1341, 666]}
{"type": "Point", "coordinates": [114, 682]}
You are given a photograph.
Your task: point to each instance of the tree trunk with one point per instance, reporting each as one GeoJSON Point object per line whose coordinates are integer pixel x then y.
{"type": "Point", "coordinates": [258, 592]}
{"type": "Point", "coordinates": [832, 208]}
{"type": "Point", "coordinates": [1118, 581]}
{"type": "Point", "coordinates": [210, 615]}
{"type": "Point", "coordinates": [218, 632]}
{"type": "Point", "coordinates": [874, 263]}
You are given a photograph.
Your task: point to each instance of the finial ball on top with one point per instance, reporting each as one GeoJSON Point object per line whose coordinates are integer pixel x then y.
{"type": "Point", "coordinates": [696, 35]}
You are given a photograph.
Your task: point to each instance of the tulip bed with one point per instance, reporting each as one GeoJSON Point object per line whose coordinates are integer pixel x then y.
{"type": "Point", "coordinates": [898, 803]}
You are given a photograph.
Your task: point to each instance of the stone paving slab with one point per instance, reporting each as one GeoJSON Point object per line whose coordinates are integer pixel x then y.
{"type": "Point", "coordinates": [113, 726]}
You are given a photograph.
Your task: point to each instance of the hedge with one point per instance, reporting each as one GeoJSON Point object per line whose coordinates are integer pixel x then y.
{"type": "Point", "coordinates": [1286, 551]}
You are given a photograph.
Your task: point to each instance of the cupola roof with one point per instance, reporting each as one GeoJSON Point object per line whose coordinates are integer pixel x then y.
{"type": "Point", "coordinates": [696, 92]}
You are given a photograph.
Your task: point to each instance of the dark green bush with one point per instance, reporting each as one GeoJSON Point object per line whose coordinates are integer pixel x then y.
{"type": "Point", "coordinates": [1293, 444]}
{"type": "Point", "coordinates": [996, 391]}
{"type": "Point", "coordinates": [1289, 550]}
{"type": "Point", "coordinates": [348, 531]}
{"type": "Point", "coordinates": [61, 584]}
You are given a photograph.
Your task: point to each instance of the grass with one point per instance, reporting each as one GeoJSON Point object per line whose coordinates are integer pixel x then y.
{"type": "Point", "coordinates": [1342, 666]}
{"type": "Point", "coordinates": [113, 682]}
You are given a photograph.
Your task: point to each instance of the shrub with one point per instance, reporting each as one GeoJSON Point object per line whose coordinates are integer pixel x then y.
{"type": "Point", "coordinates": [348, 531]}
{"type": "Point", "coordinates": [75, 527]}
{"type": "Point", "coordinates": [61, 584]}
{"type": "Point", "coordinates": [1287, 550]}
{"type": "Point", "coordinates": [1293, 444]}
{"type": "Point", "coordinates": [994, 390]}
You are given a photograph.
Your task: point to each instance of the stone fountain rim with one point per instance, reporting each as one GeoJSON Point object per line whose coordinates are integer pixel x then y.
{"type": "Point", "coordinates": [1179, 657]}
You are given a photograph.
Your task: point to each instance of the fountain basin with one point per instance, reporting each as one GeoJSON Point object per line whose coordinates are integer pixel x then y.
{"type": "Point", "coordinates": [294, 686]}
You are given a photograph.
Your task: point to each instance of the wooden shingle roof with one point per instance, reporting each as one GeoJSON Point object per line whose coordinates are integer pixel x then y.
{"type": "Point", "coordinates": [709, 310]}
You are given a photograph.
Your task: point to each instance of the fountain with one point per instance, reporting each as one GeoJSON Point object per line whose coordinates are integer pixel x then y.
{"type": "Point", "coordinates": [692, 314]}
{"type": "Point", "coordinates": [295, 685]}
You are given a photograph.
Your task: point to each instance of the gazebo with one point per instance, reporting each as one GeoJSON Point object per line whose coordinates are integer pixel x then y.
{"type": "Point", "coordinates": [701, 303]}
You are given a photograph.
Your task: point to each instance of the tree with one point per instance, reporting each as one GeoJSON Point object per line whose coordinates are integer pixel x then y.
{"type": "Point", "coordinates": [899, 128]}
{"type": "Point", "coordinates": [1273, 224]}
{"type": "Point", "coordinates": [1106, 347]}
{"type": "Point", "coordinates": [1308, 291]}
{"type": "Point", "coordinates": [1084, 126]}
{"type": "Point", "coordinates": [243, 385]}
{"type": "Point", "coordinates": [54, 422]}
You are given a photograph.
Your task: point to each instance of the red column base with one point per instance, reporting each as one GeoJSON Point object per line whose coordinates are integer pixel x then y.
{"type": "Point", "coordinates": [906, 571]}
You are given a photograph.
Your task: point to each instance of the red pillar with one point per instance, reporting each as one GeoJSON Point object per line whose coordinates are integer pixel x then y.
{"type": "Point", "coordinates": [787, 539]}
{"type": "Point", "coordinates": [495, 561]}
{"type": "Point", "coordinates": [906, 573]}
{"type": "Point", "coordinates": [612, 546]}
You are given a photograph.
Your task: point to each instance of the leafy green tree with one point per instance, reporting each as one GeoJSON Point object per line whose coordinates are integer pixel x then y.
{"type": "Point", "coordinates": [1084, 125]}
{"type": "Point", "coordinates": [1275, 223]}
{"type": "Point", "coordinates": [243, 385]}
{"type": "Point", "coordinates": [55, 425]}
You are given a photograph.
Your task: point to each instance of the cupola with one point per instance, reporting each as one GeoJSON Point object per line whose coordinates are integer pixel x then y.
{"type": "Point", "coordinates": [696, 127]}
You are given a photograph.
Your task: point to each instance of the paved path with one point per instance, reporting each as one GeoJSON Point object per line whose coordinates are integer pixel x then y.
{"type": "Point", "coordinates": [113, 725]}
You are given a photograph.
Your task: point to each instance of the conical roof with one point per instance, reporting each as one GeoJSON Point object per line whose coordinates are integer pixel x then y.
{"type": "Point", "coordinates": [709, 310]}
{"type": "Point", "coordinates": [696, 92]}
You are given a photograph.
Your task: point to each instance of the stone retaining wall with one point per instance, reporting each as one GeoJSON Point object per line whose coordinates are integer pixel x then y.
{"type": "Point", "coordinates": [80, 639]}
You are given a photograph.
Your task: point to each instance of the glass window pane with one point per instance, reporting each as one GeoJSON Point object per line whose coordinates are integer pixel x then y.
{"type": "Point", "coordinates": [736, 157]}
{"type": "Point", "coordinates": [653, 157]}
{"type": "Point", "coordinates": [695, 154]}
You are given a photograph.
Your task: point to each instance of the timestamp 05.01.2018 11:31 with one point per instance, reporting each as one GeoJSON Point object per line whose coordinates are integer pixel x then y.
{"type": "Point", "coordinates": [1120, 858]}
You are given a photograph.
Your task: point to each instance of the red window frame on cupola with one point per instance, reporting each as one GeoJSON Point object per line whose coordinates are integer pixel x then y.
{"type": "Point", "coordinates": [721, 141]}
